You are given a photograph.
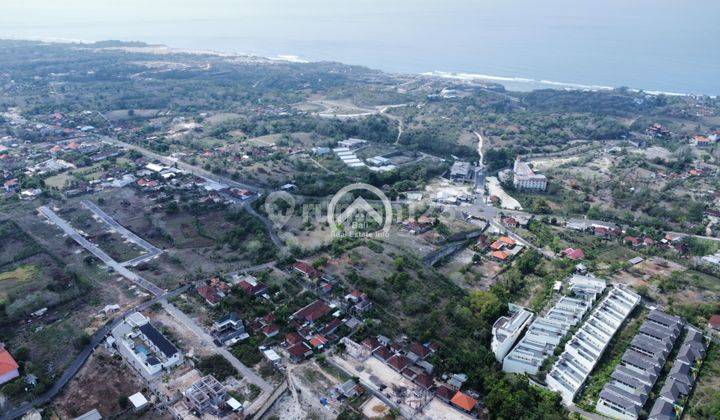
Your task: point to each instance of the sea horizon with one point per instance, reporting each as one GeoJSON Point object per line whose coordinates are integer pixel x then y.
{"type": "Point", "coordinates": [511, 83]}
{"type": "Point", "coordinates": [647, 45]}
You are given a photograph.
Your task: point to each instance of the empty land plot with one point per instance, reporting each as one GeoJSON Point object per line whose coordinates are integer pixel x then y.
{"type": "Point", "coordinates": [117, 247]}
{"type": "Point", "coordinates": [14, 244]}
{"type": "Point", "coordinates": [438, 410]}
{"type": "Point", "coordinates": [374, 408]}
{"type": "Point", "coordinates": [59, 181]}
{"type": "Point", "coordinates": [101, 384]}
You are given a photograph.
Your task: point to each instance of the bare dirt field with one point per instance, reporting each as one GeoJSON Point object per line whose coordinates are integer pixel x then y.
{"type": "Point", "coordinates": [506, 201]}
{"type": "Point", "coordinates": [99, 384]}
{"type": "Point", "coordinates": [438, 410]}
{"type": "Point", "coordinates": [544, 164]}
{"type": "Point", "coordinates": [373, 371]}
{"type": "Point", "coordinates": [374, 408]}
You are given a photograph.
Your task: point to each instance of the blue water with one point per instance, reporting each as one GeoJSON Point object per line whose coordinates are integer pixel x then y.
{"type": "Point", "coordinates": [657, 45]}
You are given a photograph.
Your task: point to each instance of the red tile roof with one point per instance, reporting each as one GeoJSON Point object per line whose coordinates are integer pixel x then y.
{"type": "Point", "coordinates": [507, 240]}
{"type": "Point", "coordinates": [318, 341]}
{"type": "Point", "coordinates": [497, 245]}
{"type": "Point", "coordinates": [306, 269]}
{"type": "Point", "coordinates": [444, 393]}
{"type": "Point", "coordinates": [419, 349]}
{"type": "Point", "coordinates": [574, 253]}
{"type": "Point", "coordinates": [371, 343]}
{"type": "Point", "coordinates": [270, 330]}
{"type": "Point", "coordinates": [633, 240]}
{"type": "Point", "coordinates": [293, 338]}
{"type": "Point", "coordinates": [463, 401]}
{"type": "Point", "coordinates": [501, 255]}
{"type": "Point", "coordinates": [383, 353]}
{"type": "Point", "coordinates": [209, 293]}
{"type": "Point", "coordinates": [300, 350]}
{"type": "Point", "coordinates": [714, 322]}
{"type": "Point", "coordinates": [7, 363]}
{"type": "Point", "coordinates": [331, 326]}
{"type": "Point", "coordinates": [253, 289]}
{"type": "Point", "coordinates": [398, 362]}
{"type": "Point", "coordinates": [271, 317]}
{"type": "Point", "coordinates": [312, 311]}
{"type": "Point", "coordinates": [424, 380]}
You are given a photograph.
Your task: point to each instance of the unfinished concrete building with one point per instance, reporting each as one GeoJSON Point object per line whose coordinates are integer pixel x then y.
{"type": "Point", "coordinates": [207, 396]}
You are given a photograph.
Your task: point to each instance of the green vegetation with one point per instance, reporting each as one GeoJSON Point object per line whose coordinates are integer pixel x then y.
{"type": "Point", "coordinates": [217, 366]}
{"type": "Point", "coordinates": [247, 351]}
{"type": "Point", "coordinates": [705, 400]}
{"type": "Point", "coordinates": [21, 274]}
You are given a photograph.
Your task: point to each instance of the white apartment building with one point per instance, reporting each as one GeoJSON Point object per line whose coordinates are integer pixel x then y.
{"type": "Point", "coordinates": [543, 335]}
{"type": "Point", "coordinates": [525, 179]}
{"type": "Point", "coordinates": [144, 346]}
{"type": "Point", "coordinates": [506, 331]}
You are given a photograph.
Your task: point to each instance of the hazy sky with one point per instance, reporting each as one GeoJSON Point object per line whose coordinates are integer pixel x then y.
{"type": "Point", "coordinates": [653, 44]}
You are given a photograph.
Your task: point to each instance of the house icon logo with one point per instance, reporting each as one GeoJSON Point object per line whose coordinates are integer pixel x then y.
{"type": "Point", "coordinates": [353, 220]}
{"type": "Point", "coordinates": [279, 207]}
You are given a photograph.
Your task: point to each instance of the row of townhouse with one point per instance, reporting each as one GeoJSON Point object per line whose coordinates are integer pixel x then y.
{"type": "Point", "coordinates": [544, 334]}
{"type": "Point", "coordinates": [585, 348]}
{"type": "Point", "coordinates": [624, 396]}
{"type": "Point", "coordinates": [681, 379]}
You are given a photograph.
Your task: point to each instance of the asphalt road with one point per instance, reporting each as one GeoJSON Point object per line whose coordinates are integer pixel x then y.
{"type": "Point", "coordinates": [199, 172]}
{"type": "Point", "coordinates": [99, 253]}
{"type": "Point", "coordinates": [253, 269]}
{"type": "Point", "coordinates": [247, 205]}
{"type": "Point", "coordinates": [246, 372]}
{"type": "Point", "coordinates": [209, 176]}
{"type": "Point", "coordinates": [152, 250]}
{"type": "Point", "coordinates": [81, 358]}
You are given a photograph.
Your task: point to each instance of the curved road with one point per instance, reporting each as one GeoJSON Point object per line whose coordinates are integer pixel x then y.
{"type": "Point", "coordinates": [209, 176]}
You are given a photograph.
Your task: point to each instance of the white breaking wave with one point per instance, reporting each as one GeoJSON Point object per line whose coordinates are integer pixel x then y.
{"type": "Point", "coordinates": [536, 82]}
{"type": "Point", "coordinates": [437, 73]}
{"type": "Point", "coordinates": [289, 58]}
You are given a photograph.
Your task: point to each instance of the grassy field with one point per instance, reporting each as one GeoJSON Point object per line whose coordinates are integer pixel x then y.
{"type": "Point", "coordinates": [705, 400]}
{"type": "Point", "coordinates": [21, 274]}
{"type": "Point", "coordinates": [11, 279]}
{"type": "Point", "coordinates": [58, 181]}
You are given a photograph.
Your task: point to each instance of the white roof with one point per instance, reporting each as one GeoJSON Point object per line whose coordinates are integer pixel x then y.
{"type": "Point", "coordinates": [271, 355]}
{"type": "Point", "coordinates": [136, 319]}
{"type": "Point", "coordinates": [234, 404]}
{"type": "Point", "coordinates": [90, 415]}
{"type": "Point", "coordinates": [213, 186]}
{"type": "Point", "coordinates": [154, 167]}
{"type": "Point", "coordinates": [138, 400]}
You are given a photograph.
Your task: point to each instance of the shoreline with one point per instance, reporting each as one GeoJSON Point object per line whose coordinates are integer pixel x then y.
{"type": "Point", "coordinates": [469, 77]}
{"type": "Point", "coordinates": [511, 83]}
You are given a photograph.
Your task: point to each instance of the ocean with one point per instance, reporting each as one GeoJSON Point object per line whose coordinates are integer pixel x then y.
{"type": "Point", "coordinates": [668, 46]}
